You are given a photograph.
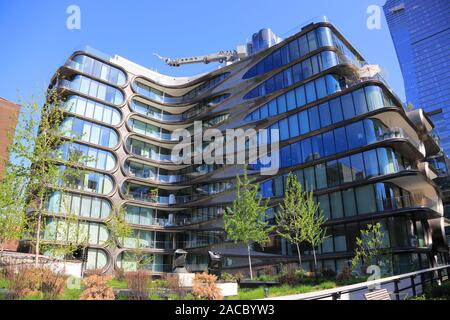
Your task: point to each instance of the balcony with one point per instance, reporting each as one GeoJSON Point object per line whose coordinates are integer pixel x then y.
{"type": "Point", "coordinates": [396, 132]}
{"type": "Point", "coordinates": [162, 200]}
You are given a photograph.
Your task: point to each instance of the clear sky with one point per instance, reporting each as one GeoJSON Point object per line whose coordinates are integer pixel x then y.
{"type": "Point", "coordinates": [35, 40]}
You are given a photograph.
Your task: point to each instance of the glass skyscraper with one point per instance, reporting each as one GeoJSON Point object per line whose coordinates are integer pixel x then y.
{"type": "Point", "coordinates": [420, 30]}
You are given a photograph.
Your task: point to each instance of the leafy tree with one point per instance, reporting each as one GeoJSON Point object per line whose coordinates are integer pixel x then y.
{"type": "Point", "coordinates": [290, 216]}
{"type": "Point", "coordinates": [119, 228]}
{"type": "Point", "coordinates": [369, 246]}
{"type": "Point", "coordinates": [246, 220]}
{"type": "Point", "coordinates": [12, 208]}
{"type": "Point", "coordinates": [38, 159]}
{"type": "Point", "coordinates": [313, 220]}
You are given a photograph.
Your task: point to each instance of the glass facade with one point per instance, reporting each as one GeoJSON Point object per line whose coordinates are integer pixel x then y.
{"type": "Point", "coordinates": [91, 157]}
{"type": "Point", "coordinates": [77, 204]}
{"type": "Point", "coordinates": [98, 69]}
{"type": "Point", "coordinates": [346, 138]}
{"type": "Point", "coordinates": [421, 37]}
{"type": "Point", "coordinates": [93, 110]}
{"type": "Point", "coordinates": [90, 132]}
{"type": "Point", "coordinates": [94, 89]}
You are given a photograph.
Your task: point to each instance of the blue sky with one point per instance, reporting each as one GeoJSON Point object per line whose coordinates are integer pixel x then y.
{"type": "Point", "coordinates": [35, 39]}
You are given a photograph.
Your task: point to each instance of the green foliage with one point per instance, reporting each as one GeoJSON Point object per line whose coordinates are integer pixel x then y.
{"type": "Point", "coordinates": [119, 228]}
{"type": "Point", "coordinates": [290, 218]}
{"type": "Point", "coordinates": [369, 246]}
{"type": "Point", "coordinates": [313, 220]}
{"type": "Point", "coordinates": [246, 220]}
{"type": "Point", "coordinates": [38, 161]}
{"type": "Point", "coordinates": [438, 292]}
{"type": "Point", "coordinates": [12, 207]}
{"type": "Point", "coordinates": [117, 284]}
{"type": "Point", "coordinates": [227, 277]}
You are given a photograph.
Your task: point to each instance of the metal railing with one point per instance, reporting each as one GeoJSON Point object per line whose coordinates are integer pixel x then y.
{"type": "Point", "coordinates": [400, 287]}
{"type": "Point", "coordinates": [397, 132]}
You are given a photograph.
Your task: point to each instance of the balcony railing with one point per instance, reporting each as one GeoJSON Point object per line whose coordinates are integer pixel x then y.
{"type": "Point", "coordinates": [397, 132]}
{"type": "Point", "coordinates": [406, 201]}
{"type": "Point", "coordinates": [167, 200]}
{"type": "Point", "coordinates": [145, 244]}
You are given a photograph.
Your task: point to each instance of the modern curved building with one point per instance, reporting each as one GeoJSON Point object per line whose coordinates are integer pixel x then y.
{"type": "Point", "coordinates": [342, 130]}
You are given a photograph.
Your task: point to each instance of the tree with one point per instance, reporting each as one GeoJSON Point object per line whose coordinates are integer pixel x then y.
{"type": "Point", "coordinates": [119, 228]}
{"type": "Point", "coordinates": [38, 159]}
{"type": "Point", "coordinates": [313, 221]}
{"type": "Point", "coordinates": [12, 208]}
{"type": "Point", "coordinates": [290, 216]}
{"type": "Point", "coordinates": [369, 246]}
{"type": "Point", "coordinates": [246, 220]}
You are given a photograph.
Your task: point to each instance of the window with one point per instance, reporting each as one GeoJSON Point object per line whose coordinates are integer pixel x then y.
{"type": "Point", "coordinates": [286, 156]}
{"type": "Point", "coordinates": [357, 166]}
{"type": "Point", "coordinates": [355, 135]}
{"type": "Point", "coordinates": [307, 68]}
{"type": "Point", "coordinates": [347, 106]}
{"type": "Point", "coordinates": [325, 205]}
{"type": "Point", "coordinates": [303, 45]}
{"type": "Point", "coordinates": [365, 197]}
{"type": "Point", "coordinates": [296, 153]}
{"type": "Point", "coordinates": [349, 202]}
{"type": "Point", "coordinates": [293, 126]}
{"type": "Point", "coordinates": [345, 170]}
{"type": "Point", "coordinates": [325, 116]}
{"type": "Point", "coordinates": [340, 140]}
{"type": "Point", "coordinates": [310, 92]}
{"type": "Point", "coordinates": [333, 173]}
{"type": "Point", "coordinates": [309, 179]}
{"type": "Point", "coordinates": [328, 143]}
{"type": "Point", "coordinates": [294, 50]}
{"type": "Point", "coordinates": [370, 163]}
{"type": "Point", "coordinates": [307, 150]}
{"type": "Point", "coordinates": [297, 72]}
{"type": "Point", "coordinates": [321, 175]}
{"type": "Point", "coordinates": [314, 121]}
{"type": "Point", "coordinates": [374, 97]}
{"type": "Point", "coordinates": [336, 110]}
{"type": "Point", "coordinates": [336, 205]}
{"type": "Point", "coordinates": [304, 122]}
{"type": "Point", "coordinates": [290, 97]}
{"type": "Point", "coordinates": [281, 102]}
{"type": "Point", "coordinates": [312, 41]}
{"type": "Point", "coordinates": [386, 158]}
{"type": "Point", "coordinates": [321, 87]}
{"type": "Point", "coordinates": [300, 96]}
{"type": "Point", "coordinates": [359, 100]}
{"type": "Point", "coordinates": [317, 146]}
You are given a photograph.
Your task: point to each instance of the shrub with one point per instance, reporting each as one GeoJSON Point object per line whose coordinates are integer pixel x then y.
{"type": "Point", "coordinates": [328, 273]}
{"type": "Point", "coordinates": [289, 277]}
{"type": "Point", "coordinates": [436, 291]}
{"type": "Point", "coordinates": [96, 288]}
{"type": "Point", "coordinates": [93, 272]}
{"type": "Point", "coordinates": [204, 287]}
{"type": "Point", "coordinates": [239, 276]}
{"type": "Point", "coordinates": [35, 281]}
{"type": "Point", "coordinates": [227, 277]}
{"type": "Point", "coordinates": [119, 274]}
{"type": "Point", "coordinates": [344, 275]}
{"type": "Point", "coordinates": [137, 282]}
{"type": "Point", "coordinates": [173, 285]}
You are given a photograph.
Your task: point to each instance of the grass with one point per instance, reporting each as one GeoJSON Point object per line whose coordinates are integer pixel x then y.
{"type": "Point", "coordinates": [275, 291]}
{"type": "Point", "coordinates": [306, 285]}
{"type": "Point", "coordinates": [3, 283]}
{"type": "Point", "coordinates": [117, 284]}
{"type": "Point", "coordinates": [71, 294]}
